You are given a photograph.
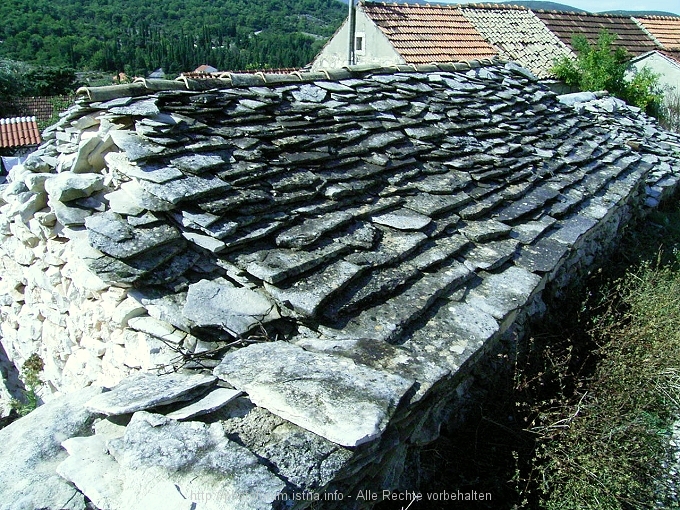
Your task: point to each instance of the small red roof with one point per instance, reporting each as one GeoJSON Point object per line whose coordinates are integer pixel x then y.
{"type": "Point", "coordinates": [19, 132]}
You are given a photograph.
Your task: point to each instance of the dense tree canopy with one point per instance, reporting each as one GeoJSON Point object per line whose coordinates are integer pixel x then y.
{"type": "Point", "coordinates": [137, 36]}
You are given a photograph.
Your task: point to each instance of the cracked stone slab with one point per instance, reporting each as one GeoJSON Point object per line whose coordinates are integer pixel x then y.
{"type": "Point", "coordinates": [145, 391]}
{"type": "Point", "coordinates": [176, 465]}
{"type": "Point", "coordinates": [480, 231]}
{"type": "Point", "coordinates": [332, 396]}
{"type": "Point", "coordinates": [221, 304]}
{"type": "Point", "coordinates": [306, 295]}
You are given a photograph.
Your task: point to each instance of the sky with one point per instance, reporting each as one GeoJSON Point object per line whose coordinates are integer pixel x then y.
{"type": "Point", "coordinates": [672, 6]}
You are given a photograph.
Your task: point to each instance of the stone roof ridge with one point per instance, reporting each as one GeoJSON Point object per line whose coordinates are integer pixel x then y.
{"type": "Point", "coordinates": [143, 86]}
{"type": "Point", "coordinates": [581, 13]}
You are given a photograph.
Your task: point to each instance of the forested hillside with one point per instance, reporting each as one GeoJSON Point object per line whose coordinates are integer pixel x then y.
{"type": "Point", "coordinates": [138, 36]}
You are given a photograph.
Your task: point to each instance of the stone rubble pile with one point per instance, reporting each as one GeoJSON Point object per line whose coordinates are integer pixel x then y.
{"type": "Point", "coordinates": [295, 280]}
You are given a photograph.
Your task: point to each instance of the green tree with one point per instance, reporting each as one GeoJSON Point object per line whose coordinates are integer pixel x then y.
{"type": "Point", "coordinates": [601, 67]}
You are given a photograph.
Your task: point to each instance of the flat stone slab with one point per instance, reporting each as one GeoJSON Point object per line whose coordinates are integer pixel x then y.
{"type": "Point", "coordinates": [222, 304]}
{"type": "Point", "coordinates": [169, 464]}
{"type": "Point", "coordinates": [332, 396]}
{"type": "Point", "coordinates": [403, 219]}
{"type": "Point", "coordinates": [31, 451]}
{"type": "Point", "coordinates": [68, 186]}
{"type": "Point", "coordinates": [145, 391]}
{"type": "Point", "coordinates": [219, 397]}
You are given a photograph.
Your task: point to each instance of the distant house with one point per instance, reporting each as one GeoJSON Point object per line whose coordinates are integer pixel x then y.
{"type": "Point", "coordinates": [205, 68]}
{"type": "Point", "coordinates": [629, 35]}
{"type": "Point", "coordinates": [158, 74]}
{"type": "Point", "coordinates": [390, 34]}
{"type": "Point", "coordinates": [664, 63]}
{"type": "Point", "coordinates": [519, 35]}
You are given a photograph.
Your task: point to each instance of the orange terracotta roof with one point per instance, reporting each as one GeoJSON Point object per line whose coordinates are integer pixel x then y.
{"type": "Point", "coordinates": [429, 33]}
{"type": "Point", "coordinates": [665, 29]}
{"type": "Point", "coordinates": [19, 132]}
{"type": "Point", "coordinates": [628, 34]}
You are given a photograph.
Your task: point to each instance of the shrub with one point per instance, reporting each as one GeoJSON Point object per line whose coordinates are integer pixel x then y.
{"type": "Point", "coordinates": [601, 67]}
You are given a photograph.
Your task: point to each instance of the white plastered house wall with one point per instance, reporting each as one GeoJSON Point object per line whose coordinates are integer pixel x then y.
{"type": "Point", "coordinates": [375, 46]}
{"type": "Point", "coordinates": [667, 69]}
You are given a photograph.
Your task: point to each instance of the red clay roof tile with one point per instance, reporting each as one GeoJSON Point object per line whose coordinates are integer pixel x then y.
{"type": "Point", "coordinates": [19, 132]}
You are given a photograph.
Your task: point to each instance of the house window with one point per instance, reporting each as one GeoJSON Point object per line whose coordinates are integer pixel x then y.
{"type": "Point", "coordinates": [359, 43]}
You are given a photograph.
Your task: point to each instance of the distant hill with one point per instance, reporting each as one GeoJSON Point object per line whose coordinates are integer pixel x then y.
{"type": "Point", "coordinates": [138, 36]}
{"type": "Point", "coordinates": [547, 6]}
{"type": "Point", "coordinates": [641, 13]}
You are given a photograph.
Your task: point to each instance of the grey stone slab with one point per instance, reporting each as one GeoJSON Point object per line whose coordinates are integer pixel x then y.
{"type": "Point", "coordinates": [529, 231]}
{"type": "Point", "coordinates": [136, 147]}
{"type": "Point", "coordinates": [403, 219]}
{"type": "Point", "coordinates": [151, 265]}
{"type": "Point", "coordinates": [146, 391]}
{"type": "Point", "coordinates": [185, 189]}
{"type": "Point", "coordinates": [392, 247]}
{"type": "Point", "coordinates": [444, 184]}
{"type": "Point", "coordinates": [92, 470]}
{"type": "Point", "coordinates": [443, 249]}
{"type": "Point", "coordinates": [206, 242]}
{"type": "Point", "coordinates": [347, 403]}
{"type": "Point", "coordinates": [306, 295]}
{"type": "Point", "coordinates": [491, 255]}
{"type": "Point", "coordinates": [434, 205]}
{"type": "Point", "coordinates": [221, 304]}
{"type": "Point", "coordinates": [68, 186]}
{"type": "Point", "coordinates": [570, 230]}
{"type": "Point", "coordinates": [543, 256]}
{"type": "Point", "coordinates": [381, 356]}
{"type": "Point", "coordinates": [500, 294]}
{"type": "Point", "coordinates": [68, 214]}
{"type": "Point", "coordinates": [112, 235]}
{"type": "Point", "coordinates": [533, 200]}
{"type": "Point", "coordinates": [310, 230]}
{"type": "Point", "coordinates": [142, 108]}
{"type": "Point", "coordinates": [481, 231]}
{"type": "Point", "coordinates": [388, 320]}
{"type": "Point", "coordinates": [452, 336]}
{"type": "Point", "coordinates": [165, 463]}
{"type": "Point", "coordinates": [32, 451]}
{"type": "Point", "coordinates": [154, 172]}
{"type": "Point", "coordinates": [143, 199]}
{"type": "Point", "coordinates": [277, 265]}
{"type": "Point", "coordinates": [212, 401]}
{"type": "Point", "coordinates": [198, 163]}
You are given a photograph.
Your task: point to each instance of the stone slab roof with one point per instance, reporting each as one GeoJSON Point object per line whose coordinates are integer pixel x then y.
{"type": "Point", "coordinates": [346, 245]}
{"type": "Point", "coordinates": [519, 35]}
{"type": "Point", "coordinates": [429, 33]}
{"type": "Point", "coordinates": [664, 29]}
{"type": "Point", "coordinates": [567, 24]}
{"type": "Point", "coordinates": [19, 132]}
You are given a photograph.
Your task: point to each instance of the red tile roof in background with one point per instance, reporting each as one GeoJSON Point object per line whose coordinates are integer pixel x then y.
{"type": "Point", "coordinates": [39, 106]}
{"type": "Point", "coordinates": [429, 33]}
{"type": "Point", "coordinates": [629, 35]}
{"type": "Point", "coordinates": [19, 132]}
{"type": "Point", "coordinates": [665, 29]}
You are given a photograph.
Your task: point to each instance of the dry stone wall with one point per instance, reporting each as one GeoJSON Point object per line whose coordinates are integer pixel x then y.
{"type": "Point", "coordinates": [304, 275]}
